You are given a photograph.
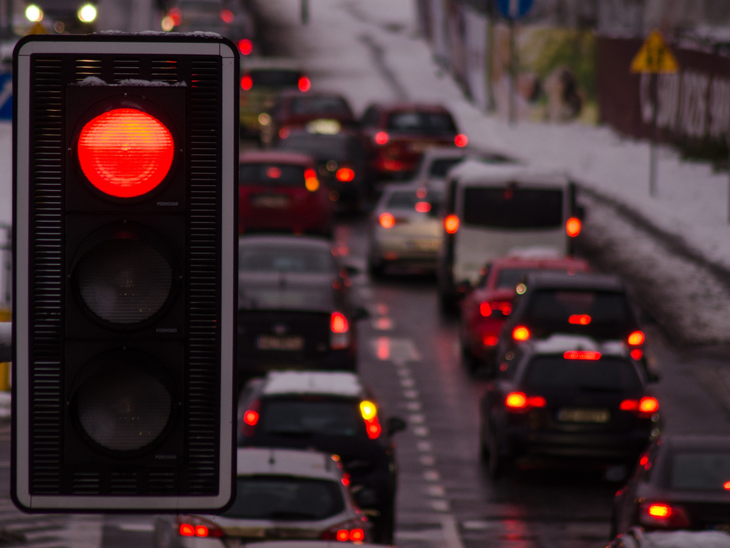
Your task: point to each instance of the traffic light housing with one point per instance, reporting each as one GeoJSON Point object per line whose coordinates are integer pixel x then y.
{"type": "Point", "coordinates": [125, 182]}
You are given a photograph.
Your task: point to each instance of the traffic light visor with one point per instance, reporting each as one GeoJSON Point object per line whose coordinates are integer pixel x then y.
{"type": "Point", "coordinates": [125, 152]}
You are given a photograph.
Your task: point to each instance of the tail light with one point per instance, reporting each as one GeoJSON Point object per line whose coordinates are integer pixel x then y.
{"type": "Point", "coordinates": [284, 133]}
{"type": "Point", "coordinates": [490, 340]}
{"type": "Point", "coordinates": [352, 531]}
{"type": "Point", "coordinates": [573, 226]}
{"type": "Point", "coordinates": [245, 46]}
{"type": "Point", "coordinates": [451, 224]}
{"type": "Point", "coordinates": [386, 220]}
{"type": "Point", "coordinates": [345, 174]}
{"type": "Point", "coordinates": [369, 412]}
{"type": "Point", "coordinates": [461, 140]}
{"type": "Point", "coordinates": [339, 331]}
{"type": "Point", "coordinates": [520, 333]}
{"type": "Point", "coordinates": [579, 319]}
{"type": "Point", "coordinates": [486, 308]}
{"type": "Point", "coordinates": [423, 207]}
{"type": "Point", "coordinates": [310, 180]}
{"type": "Point", "coordinates": [659, 514]}
{"type": "Point", "coordinates": [582, 355]}
{"type": "Point", "coordinates": [636, 338]}
{"type": "Point", "coordinates": [645, 407]}
{"type": "Point", "coordinates": [227, 16]}
{"type": "Point", "coordinates": [246, 82]}
{"type": "Point", "coordinates": [519, 402]}
{"type": "Point", "coordinates": [637, 353]}
{"type": "Point", "coordinates": [193, 526]}
{"type": "Point", "coordinates": [304, 83]}
{"type": "Point", "coordinates": [381, 138]}
{"type": "Point", "coordinates": [250, 418]}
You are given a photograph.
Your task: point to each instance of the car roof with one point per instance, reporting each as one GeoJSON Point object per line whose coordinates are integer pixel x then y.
{"type": "Point", "coordinates": [561, 343]}
{"type": "Point", "coordinates": [323, 383]}
{"type": "Point", "coordinates": [287, 462]}
{"type": "Point", "coordinates": [285, 239]}
{"type": "Point", "coordinates": [579, 280]}
{"type": "Point", "coordinates": [284, 157]}
{"type": "Point", "coordinates": [478, 173]}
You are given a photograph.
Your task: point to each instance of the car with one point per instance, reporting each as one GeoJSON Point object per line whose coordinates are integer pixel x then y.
{"type": "Point", "coordinates": [636, 537]}
{"type": "Point", "coordinates": [321, 112]}
{"type": "Point", "coordinates": [295, 309]}
{"type": "Point", "coordinates": [404, 230]}
{"type": "Point", "coordinates": [231, 20]}
{"type": "Point", "coordinates": [679, 482]}
{"type": "Point", "coordinates": [485, 308]}
{"type": "Point", "coordinates": [490, 210]}
{"type": "Point", "coordinates": [398, 134]}
{"type": "Point", "coordinates": [564, 398]}
{"type": "Point", "coordinates": [280, 191]}
{"type": "Point", "coordinates": [331, 412]}
{"type": "Point", "coordinates": [341, 163]}
{"type": "Point", "coordinates": [436, 162]}
{"type": "Point", "coordinates": [591, 304]}
{"type": "Point", "coordinates": [280, 494]}
{"type": "Point", "coordinates": [262, 79]}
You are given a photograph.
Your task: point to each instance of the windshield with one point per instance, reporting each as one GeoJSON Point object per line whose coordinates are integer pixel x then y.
{"type": "Point", "coordinates": [407, 199]}
{"type": "Point", "coordinates": [700, 471]}
{"type": "Point", "coordinates": [311, 415]}
{"type": "Point", "coordinates": [429, 122]}
{"type": "Point", "coordinates": [603, 375]}
{"type": "Point", "coordinates": [513, 207]}
{"type": "Point", "coordinates": [279, 258]}
{"type": "Point", "coordinates": [285, 498]}
{"type": "Point", "coordinates": [271, 174]}
{"type": "Point", "coordinates": [320, 105]}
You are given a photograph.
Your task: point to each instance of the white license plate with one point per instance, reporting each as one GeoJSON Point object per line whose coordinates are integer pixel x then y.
{"type": "Point", "coordinates": [270, 201]}
{"type": "Point", "coordinates": [584, 415]}
{"type": "Point", "coordinates": [270, 342]}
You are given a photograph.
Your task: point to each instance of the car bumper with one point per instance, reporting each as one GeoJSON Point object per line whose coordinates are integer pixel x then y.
{"type": "Point", "coordinates": [407, 250]}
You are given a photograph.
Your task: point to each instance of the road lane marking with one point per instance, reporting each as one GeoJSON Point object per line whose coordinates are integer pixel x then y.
{"type": "Point", "coordinates": [399, 350]}
{"type": "Point", "coordinates": [384, 323]}
{"type": "Point", "coordinates": [424, 446]}
{"type": "Point", "coordinates": [427, 460]}
{"type": "Point", "coordinates": [436, 491]}
{"type": "Point", "coordinates": [440, 505]}
{"type": "Point", "coordinates": [451, 532]}
{"type": "Point", "coordinates": [403, 372]}
{"type": "Point", "coordinates": [407, 382]}
{"type": "Point", "coordinates": [417, 419]}
{"type": "Point", "coordinates": [413, 405]}
{"type": "Point", "coordinates": [137, 527]}
{"type": "Point", "coordinates": [431, 475]}
{"type": "Point", "coordinates": [420, 431]}
{"type": "Point", "coordinates": [411, 394]}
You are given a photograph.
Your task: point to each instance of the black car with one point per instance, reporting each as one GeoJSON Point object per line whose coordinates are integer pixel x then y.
{"type": "Point", "coordinates": [567, 397]}
{"type": "Point", "coordinates": [587, 304]}
{"type": "Point", "coordinates": [341, 162]}
{"type": "Point", "coordinates": [331, 412]}
{"type": "Point", "coordinates": [680, 482]}
{"type": "Point", "coordinates": [636, 537]}
{"type": "Point", "coordinates": [294, 306]}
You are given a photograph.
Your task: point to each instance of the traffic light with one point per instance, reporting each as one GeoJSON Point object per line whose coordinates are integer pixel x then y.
{"type": "Point", "coordinates": [125, 182]}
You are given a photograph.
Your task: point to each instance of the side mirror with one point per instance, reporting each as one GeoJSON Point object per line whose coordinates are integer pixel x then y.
{"type": "Point", "coordinates": [394, 425]}
{"type": "Point", "coordinates": [360, 313]}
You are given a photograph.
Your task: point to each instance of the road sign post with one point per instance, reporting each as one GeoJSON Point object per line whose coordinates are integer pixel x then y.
{"type": "Point", "coordinates": [513, 10]}
{"type": "Point", "coordinates": [125, 170]}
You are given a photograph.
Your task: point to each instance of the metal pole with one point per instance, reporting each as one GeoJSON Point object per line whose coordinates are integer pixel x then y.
{"type": "Point", "coordinates": [305, 12]}
{"type": "Point", "coordinates": [653, 85]}
{"type": "Point", "coordinates": [513, 72]}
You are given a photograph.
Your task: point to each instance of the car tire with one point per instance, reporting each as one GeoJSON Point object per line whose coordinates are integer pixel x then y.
{"type": "Point", "coordinates": [385, 532]}
{"type": "Point", "coordinates": [163, 537]}
{"type": "Point", "coordinates": [375, 269]}
{"type": "Point", "coordinates": [613, 528]}
{"type": "Point", "coordinates": [496, 463]}
{"type": "Point", "coordinates": [483, 447]}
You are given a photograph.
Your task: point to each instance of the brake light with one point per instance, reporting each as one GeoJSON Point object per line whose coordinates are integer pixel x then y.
{"type": "Point", "coordinates": [573, 226]}
{"type": "Point", "coordinates": [226, 16]}
{"type": "Point", "coordinates": [520, 333]}
{"type": "Point", "coordinates": [637, 353]}
{"type": "Point", "coordinates": [246, 82]}
{"type": "Point", "coordinates": [338, 323]}
{"type": "Point", "coordinates": [646, 406]}
{"type": "Point", "coordinates": [423, 207]}
{"type": "Point", "coordinates": [485, 310]}
{"type": "Point", "coordinates": [518, 401]}
{"type": "Point", "coordinates": [284, 133]}
{"type": "Point", "coordinates": [381, 138]}
{"type": "Point", "coordinates": [368, 410]}
{"type": "Point", "coordinates": [579, 319]}
{"type": "Point", "coordinates": [386, 220]}
{"type": "Point", "coordinates": [461, 140]}
{"type": "Point", "coordinates": [582, 355]}
{"type": "Point", "coordinates": [186, 530]}
{"type": "Point", "coordinates": [636, 338]}
{"type": "Point", "coordinates": [490, 340]}
{"type": "Point", "coordinates": [345, 174]}
{"type": "Point", "coordinates": [373, 428]}
{"type": "Point", "coordinates": [726, 486]}
{"type": "Point", "coordinates": [345, 533]}
{"type": "Point", "coordinates": [191, 526]}
{"type": "Point", "coordinates": [245, 46]}
{"type": "Point", "coordinates": [339, 331]}
{"type": "Point", "coordinates": [659, 514]}
{"type": "Point", "coordinates": [310, 180]}
{"type": "Point", "coordinates": [250, 418]}
{"type": "Point", "coordinates": [304, 84]}
{"type": "Point", "coordinates": [451, 224]}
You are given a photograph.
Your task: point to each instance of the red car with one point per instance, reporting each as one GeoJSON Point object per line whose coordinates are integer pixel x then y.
{"type": "Point", "coordinates": [398, 134]}
{"type": "Point", "coordinates": [485, 308]}
{"type": "Point", "coordinates": [316, 112]}
{"type": "Point", "coordinates": [280, 192]}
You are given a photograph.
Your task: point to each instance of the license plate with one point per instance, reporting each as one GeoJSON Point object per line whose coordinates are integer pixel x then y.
{"type": "Point", "coordinates": [270, 342]}
{"type": "Point", "coordinates": [584, 415]}
{"type": "Point", "coordinates": [428, 245]}
{"type": "Point", "coordinates": [270, 201]}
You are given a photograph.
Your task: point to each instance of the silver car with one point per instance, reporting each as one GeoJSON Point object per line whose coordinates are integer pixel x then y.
{"type": "Point", "coordinates": [282, 494]}
{"type": "Point", "coordinates": [436, 163]}
{"type": "Point", "coordinates": [405, 229]}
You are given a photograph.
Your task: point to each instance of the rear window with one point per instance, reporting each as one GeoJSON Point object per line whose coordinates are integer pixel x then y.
{"type": "Point", "coordinates": [403, 199]}
{"type": "Point", "coordinates": [513, 207]}
{"type": "Point", "coordinates": [320, 105]}
{"type": "Point", "coordinates": [699, 471]}
{"type": "Point", "coordinates": [439, 168]}
{"type": "Point", "coordinates": [603, 314]}
{"type": "Point", "coordinates": [271, 174]}
{"type": "Point", "coordinates": [426, 122]}
{"type": "Point", "coordinates": [275, 78]}
{"type": "Point", "coordinates": [319, 146]}
{"type": "Point", "coordinates": [508, 278]}
{"type": "Point", "coordinates": [311, 416]}
{"type": "Point", "coordinates": [286, 297]}
{"type": "Point", "coordinates": [276, 258]}
{"type": "Point", "coordinates": [285, 498]}
{"type": "Point", "coordinates": [603, 375]}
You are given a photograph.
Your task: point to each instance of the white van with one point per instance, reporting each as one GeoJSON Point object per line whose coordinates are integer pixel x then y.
{"type": "Point", "coordinates": [489, 211]}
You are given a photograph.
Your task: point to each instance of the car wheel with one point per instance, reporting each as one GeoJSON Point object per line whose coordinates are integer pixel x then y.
{"type": "Point", "coordinates": [483, 447]}
{"type": "Point", "coordinates": [163, 537]}
{"type": "Point", "coordinates": [385, 527]}
{"type": "Point", "coordinates": [375, 269]}
{"type": "Point", "coordinates": [613, 530]}
{"type": "Point", "coordinates": [496, 462]}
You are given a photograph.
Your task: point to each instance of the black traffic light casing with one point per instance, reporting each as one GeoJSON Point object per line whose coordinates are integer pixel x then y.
{"type": "Point", "coordinates": [124, 300]}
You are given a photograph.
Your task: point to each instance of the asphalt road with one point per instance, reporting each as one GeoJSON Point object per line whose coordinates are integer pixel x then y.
{"type": "Point", "coordinates": [409, 355]}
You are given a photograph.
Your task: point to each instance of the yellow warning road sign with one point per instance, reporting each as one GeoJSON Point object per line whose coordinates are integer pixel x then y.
{"type": "Point", "coordinates": [654, 56]}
